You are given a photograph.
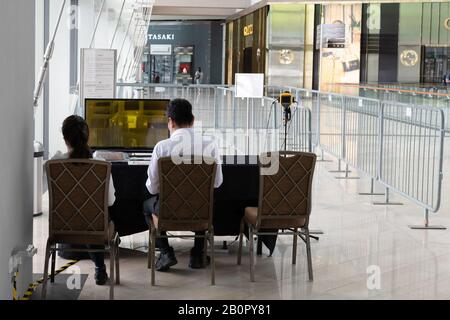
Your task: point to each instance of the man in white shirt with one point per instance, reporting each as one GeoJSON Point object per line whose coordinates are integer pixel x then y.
{"type": "Point", "coordinates": [182, 141]}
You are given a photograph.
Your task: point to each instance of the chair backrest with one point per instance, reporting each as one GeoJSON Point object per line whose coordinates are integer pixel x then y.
{"type": "Point", "coordinates": [186, 191]}
{"type": "Point", "coordinates": [78, 200]}
{"type": "Point", "coordinates": [285, 193]}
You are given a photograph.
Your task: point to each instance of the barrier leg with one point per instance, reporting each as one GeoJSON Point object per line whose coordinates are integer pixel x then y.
{"type": "Point", "coordinates": [339, 170]}
{"type": "Point", "coordinates": [346, 177]}
{"type": "Point", "coordinates": [387, 201]}
{"type": "Point", "coordinates": [426, 225]}
{"type": "Point", "coordinates": [371, 193]}
{"type": "Point", "coordinates": [322, 158]}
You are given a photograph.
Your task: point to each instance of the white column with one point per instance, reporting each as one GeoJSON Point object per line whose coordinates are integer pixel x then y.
{"type": "Point", "coordinates": [17, 35]}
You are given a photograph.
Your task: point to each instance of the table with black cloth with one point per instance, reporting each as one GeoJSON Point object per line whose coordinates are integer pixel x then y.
{"type": "Point", "coordinates": [240, 189]}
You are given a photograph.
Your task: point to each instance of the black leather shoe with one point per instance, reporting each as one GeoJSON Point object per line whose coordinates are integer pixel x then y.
{"type": "Point", "coordinates": [101, 276]}
{"type": "Point", "coordinates": [196, 261]}
{"type": "Point", "coordinates": [166, 260]}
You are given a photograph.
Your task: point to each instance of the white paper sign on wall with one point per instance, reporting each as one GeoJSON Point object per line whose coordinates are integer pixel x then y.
{"type": "Point", "coordinates": [249, 85]}
{"type": "Point", "coordinates": [98, 73]}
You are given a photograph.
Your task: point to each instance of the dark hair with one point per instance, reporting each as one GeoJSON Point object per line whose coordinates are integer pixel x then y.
{"type": "Point", "coordinates": [180, 111]}
{"type": "Point", "coordinates": [76, 133]}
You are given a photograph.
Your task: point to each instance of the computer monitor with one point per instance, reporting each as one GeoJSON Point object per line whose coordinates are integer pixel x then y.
{"type": "Point", "coordinates": [126, 124]}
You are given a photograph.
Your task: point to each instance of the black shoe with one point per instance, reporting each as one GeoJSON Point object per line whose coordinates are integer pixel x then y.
{"type": "Point", "coordinates": [166, 260]}
{"type": "Point", "coordinates": [196, 261]}
{"type": "Point", "coordinates": [101, 276]}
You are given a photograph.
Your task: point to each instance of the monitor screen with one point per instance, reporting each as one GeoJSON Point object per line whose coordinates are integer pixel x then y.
{"type": "Point", "coordinates": [126, 123]}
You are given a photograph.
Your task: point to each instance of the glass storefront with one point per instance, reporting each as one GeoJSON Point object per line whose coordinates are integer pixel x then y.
{"type": "Point", "coordinates": [177, 49]}
{"type": "Point", "coordinates": [246, 43]}
{"type": "Point", "coordinates": [340, 45]}
{"type": "Point", "coordinates": [406, 42]}
{"type": "Point", "coordinates": [325, 45]}
{"type": "Point", "coordinates": [290, 46]}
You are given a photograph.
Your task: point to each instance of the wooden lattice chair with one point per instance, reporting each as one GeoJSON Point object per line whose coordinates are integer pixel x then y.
{"type": "Point", "coordinates": [78, 212]}
{"type": "Point", "coordinates": [186, 203]}
{"type": "Point", "coordinates": [284, 202]}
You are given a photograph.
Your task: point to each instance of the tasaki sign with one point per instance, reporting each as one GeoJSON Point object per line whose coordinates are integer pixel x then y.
{"type": "Point", "coordinates": [161, 36]}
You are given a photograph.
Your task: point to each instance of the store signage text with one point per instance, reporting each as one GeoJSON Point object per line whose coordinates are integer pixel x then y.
{"type": "Point", "coordinates": [248, 30]}
{"type": "Point", "coordinates": [161, 36]}
{"type": "Point", "coordinates": [447, 23]}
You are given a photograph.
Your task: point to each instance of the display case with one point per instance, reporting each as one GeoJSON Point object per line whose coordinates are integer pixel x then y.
{"type": "Point", "coordinates": [183, 65]}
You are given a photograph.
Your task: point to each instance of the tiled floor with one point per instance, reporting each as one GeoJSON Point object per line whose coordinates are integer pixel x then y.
{"type": "Point", "coordinates": [413, 264]}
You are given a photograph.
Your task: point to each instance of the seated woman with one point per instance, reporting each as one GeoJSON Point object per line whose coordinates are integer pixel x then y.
{"type": "Point", "coordinates": [76, 135]}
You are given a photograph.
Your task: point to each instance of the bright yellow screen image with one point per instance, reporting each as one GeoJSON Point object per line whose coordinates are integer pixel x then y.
{"type": "Point", "coordinates": [122, 123]}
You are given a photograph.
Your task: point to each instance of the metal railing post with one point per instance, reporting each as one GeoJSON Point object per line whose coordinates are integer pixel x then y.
{"type": "Point", "coordinates": [372, 192]}
{"type": "Point", "coordinates": [343, 138]}
{"type": "Point", "coordinates": [380, 160]}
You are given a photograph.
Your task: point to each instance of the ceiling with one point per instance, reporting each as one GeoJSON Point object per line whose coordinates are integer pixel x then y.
{"type": "Point", "coordinates": [198, 9]}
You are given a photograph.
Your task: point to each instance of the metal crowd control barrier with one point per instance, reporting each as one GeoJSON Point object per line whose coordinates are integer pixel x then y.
{"type": "Point", "coordinates": [305, 100]}
{"type": "Point", "coordinates": [424, 96]}
{"type": "Point", "coordinates": [398, 145]}
{"type": "Point", "coordinates": [244, 126]}
{"type": "Point", "coordinates": [411, 154]}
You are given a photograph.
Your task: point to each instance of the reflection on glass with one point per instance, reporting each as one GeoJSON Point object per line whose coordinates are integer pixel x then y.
{"type": "Point", "coordinates": [286, 44]}
{"type": "Point", "coordinates": [341, 65]}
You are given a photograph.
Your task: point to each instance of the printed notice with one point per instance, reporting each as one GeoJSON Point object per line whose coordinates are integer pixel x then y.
{"type": "Point", "coordinates": [98, 73]}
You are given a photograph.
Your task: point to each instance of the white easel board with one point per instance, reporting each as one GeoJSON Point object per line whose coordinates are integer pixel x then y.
{"type": "Point", "coordinates": [249, 85]}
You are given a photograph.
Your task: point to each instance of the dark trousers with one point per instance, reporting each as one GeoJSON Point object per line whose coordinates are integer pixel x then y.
{"type": "Point", "coordinates": [97, 257]}
{"type": "Point", "coordinates": [199, 243]}
{"type": "Point", "coordinates": [163, 243]}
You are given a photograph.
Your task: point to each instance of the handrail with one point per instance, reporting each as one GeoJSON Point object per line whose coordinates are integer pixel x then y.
{"type": "Point", "coordinates": [447, 95]}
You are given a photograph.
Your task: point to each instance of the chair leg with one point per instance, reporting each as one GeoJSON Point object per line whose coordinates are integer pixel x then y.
{"type": "Point", "coordinates": [52, 276]}
{"type": "Point", "coordinates": [45, 272]}
{"type": "Point", "coordinates": [152, 255]}
{"type": "Point", "coordinates": [149, 256]}
{"type": "Point", "coordinates": [117, 262]}
{"type": "Point", "coordinates": [112, 259]}
{"type": "Point", "coordinates": [294, 247]}
{"type": "Point", "coordinates": [308, 253]}
{"type": "Point", "coordinates": [252, 253]}
{"type": "Point", "coordinates": [213, 262]}
{"type": "Point", "coordinates": [241, 238]}
{"type": "Point", "coordinates": [205, 247]}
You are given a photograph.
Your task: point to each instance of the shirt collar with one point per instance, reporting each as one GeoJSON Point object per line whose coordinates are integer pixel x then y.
{"type": "Point", "coordinates": [182, 131]}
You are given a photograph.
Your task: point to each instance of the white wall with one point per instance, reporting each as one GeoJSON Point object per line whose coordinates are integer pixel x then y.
{"type": "Point", "coordinates": [17, 35]}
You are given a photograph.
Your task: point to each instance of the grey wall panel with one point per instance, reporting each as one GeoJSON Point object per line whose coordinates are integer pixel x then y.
{"type": "Point", "coordinates": [17, 35]}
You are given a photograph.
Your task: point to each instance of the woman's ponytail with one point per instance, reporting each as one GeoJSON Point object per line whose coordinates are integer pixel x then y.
{"type": "Point", "coordinates": [76, 134]}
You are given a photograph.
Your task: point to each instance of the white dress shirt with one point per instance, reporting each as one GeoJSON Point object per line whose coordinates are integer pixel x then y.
{"type": "Point", "coordinates": [187, 143]}
{"type": "Point", "coordinates": [111, 192]}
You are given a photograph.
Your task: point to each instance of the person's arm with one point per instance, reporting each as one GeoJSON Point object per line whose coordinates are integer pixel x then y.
{"type": "Point", "coordinates": [219, 175]}
{"type": "Point", "coordinates": [152, 172]}
{"type": "Point", "coordinates": [111, 192]}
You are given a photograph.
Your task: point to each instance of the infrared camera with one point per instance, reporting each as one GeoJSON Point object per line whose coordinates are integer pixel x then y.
{"type": "Point", "coordinates": [286, 99]}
